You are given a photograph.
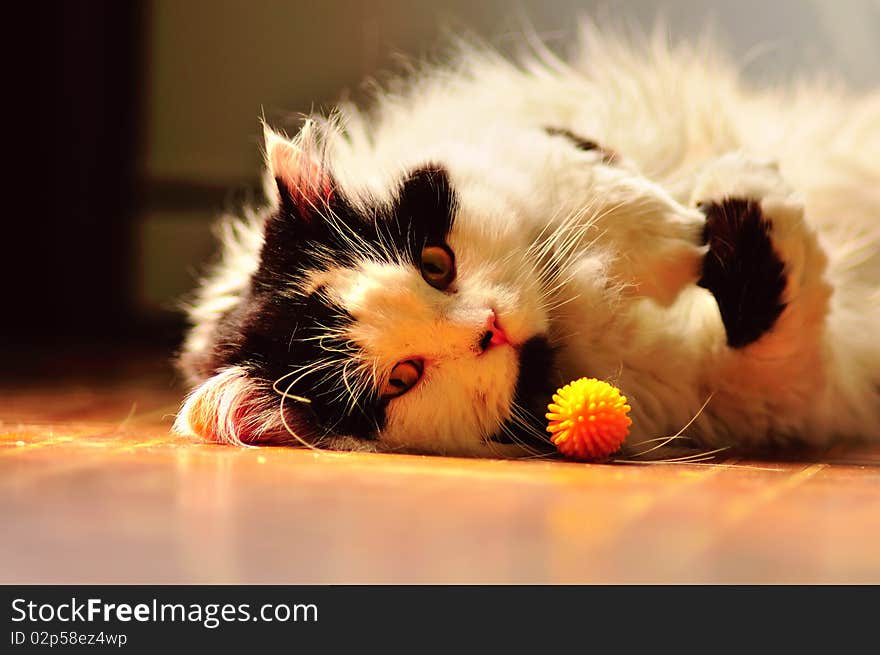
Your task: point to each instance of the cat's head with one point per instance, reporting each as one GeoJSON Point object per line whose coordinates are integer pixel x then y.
{"type": "Point", "coordinates": [411, 319]}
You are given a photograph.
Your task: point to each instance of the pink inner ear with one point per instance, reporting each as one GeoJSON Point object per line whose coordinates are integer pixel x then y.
{"type": "Point", "coordinates": [308, 182]}
{"type": "Point", "coordinates": [228, 408]}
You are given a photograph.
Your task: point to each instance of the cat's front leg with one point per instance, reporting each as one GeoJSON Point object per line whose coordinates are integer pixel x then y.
{"type": "Point", "coordinates": [766, 270]}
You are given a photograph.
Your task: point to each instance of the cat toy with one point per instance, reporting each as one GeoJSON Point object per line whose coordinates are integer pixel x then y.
{"type": "Point", "coordinates": [588, 419]}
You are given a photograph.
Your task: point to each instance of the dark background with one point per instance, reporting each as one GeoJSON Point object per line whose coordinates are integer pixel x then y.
{"type": "Point", "coordinates": [133, 125]}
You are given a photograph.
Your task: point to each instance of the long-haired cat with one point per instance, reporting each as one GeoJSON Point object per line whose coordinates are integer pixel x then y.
{"type": "Point", "coordinates": [425, 274]}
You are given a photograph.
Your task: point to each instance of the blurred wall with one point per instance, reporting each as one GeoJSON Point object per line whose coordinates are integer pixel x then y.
{"type": "Point", "coordinates": [215, 66]}
{"type": "Point", "coordinates": [73, 116]}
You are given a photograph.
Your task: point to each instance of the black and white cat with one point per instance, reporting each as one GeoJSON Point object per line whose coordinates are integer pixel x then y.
{"type": "Point", "coordinates": [426, 274]}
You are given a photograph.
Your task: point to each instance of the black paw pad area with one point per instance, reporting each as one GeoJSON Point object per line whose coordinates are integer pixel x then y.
{"type": "Point", "coordinates": [742, 270]}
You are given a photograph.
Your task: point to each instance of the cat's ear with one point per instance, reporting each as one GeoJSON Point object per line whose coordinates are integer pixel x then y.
{"type": "Point", "coordinates": [233, 408]}
{"type": "Point", "coordinates": [297, 166]}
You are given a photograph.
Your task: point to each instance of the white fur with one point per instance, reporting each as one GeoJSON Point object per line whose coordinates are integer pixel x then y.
{"type": "Point", "coordinates": [622, 240]}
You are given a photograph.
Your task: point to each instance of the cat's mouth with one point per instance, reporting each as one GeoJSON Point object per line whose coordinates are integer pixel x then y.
{"type": "Point", "coordinates": [535, 385]}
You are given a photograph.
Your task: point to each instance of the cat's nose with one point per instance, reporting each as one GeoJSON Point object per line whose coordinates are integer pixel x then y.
{"type": "Point", "coordinates": [493, 335]}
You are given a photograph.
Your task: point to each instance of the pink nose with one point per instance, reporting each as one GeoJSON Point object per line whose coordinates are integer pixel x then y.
{"type": "Point", "coordinates": [498, 335]}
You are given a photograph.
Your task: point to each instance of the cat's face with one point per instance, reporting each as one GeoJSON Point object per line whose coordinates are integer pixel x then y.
{"type": "Point", "coordinates": [416, 322]}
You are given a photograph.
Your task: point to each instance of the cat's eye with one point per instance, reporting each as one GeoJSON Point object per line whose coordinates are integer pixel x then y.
{"type": "Point", "coordinates": [437, 266]}
{"type": "Point", "coordinates": [403, 376]}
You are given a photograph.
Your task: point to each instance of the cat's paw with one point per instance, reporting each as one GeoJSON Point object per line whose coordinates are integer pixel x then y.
{"type": "Point", "coordinates": [671, 260]}
{"type": "Point", "coordinates": [763, 258]}
{"type": "Point", "coordinates": [737, 175]}
{"type": "Point", "coordinates": [658, 241]}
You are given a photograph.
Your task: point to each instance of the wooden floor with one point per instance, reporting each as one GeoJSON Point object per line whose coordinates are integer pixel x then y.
{"type": "Point", "coordinates": [96, 490]}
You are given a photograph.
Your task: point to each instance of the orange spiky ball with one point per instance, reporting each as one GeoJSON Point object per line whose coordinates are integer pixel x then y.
{"type": "Point", "coordinates": [588, 419]}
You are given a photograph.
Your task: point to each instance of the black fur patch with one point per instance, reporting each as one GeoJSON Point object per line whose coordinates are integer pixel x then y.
{"type": "Point", "coordinates": [273, 332]}
{"type": "Point", "coordinates": [534, 388]}
{"type": "Point", "coordinates": [742, 270]}
{"type": "Point", "coordinates": [608, 156]}
{"type": "Point", "coordinates": [423, 213]}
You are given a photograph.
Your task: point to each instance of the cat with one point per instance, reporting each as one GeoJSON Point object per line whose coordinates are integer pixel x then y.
{"type": "Point", "coordinates": [426, 273]}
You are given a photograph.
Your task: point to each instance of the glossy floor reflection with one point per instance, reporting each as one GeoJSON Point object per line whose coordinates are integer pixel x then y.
{"type": "Point", "coordinates": [95, 490]}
